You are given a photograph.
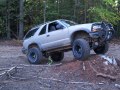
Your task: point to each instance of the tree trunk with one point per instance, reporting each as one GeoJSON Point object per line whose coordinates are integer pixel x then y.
{"type": "Point", "coordinates": [85, 11]}
{"type": "Point", "coordinates": [21, 25]}
{"type": "Point", "coordinates": [58, 2]}
{"type": "Point", "coordinates": [8, 20]}
{"type": "Point", "coordinates": [75, 4]}
{"type": "Point", "coordinates": [44, 14]}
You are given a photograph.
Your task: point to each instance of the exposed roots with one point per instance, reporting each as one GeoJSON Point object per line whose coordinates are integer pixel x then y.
{"type": "Point", "coordinates": [102, 74]}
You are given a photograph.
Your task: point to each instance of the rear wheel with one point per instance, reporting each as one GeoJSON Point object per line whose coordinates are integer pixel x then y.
{"type": "Point", "coordinates": [57, 56]}
{"type": "Point", "coordinates": [34, 55]}
{"type": "Point", "coordinates": [81, 49]}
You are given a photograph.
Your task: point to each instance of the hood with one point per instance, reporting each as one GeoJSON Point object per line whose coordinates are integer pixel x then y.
{"type": "Point", "coordinates": [81, 27]}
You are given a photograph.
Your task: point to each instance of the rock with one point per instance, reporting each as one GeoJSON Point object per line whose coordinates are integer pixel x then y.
{"type": "Point", "coordinates": [117, 85]}
{"type": "Point", "coordinates": [106, 62]}
{"type": "Point", "coordinates": [109, 60]}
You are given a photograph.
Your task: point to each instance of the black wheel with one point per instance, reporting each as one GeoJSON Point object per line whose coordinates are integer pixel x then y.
{"type": "Point", "coordinates": [102, 49]}
{"type": "Point", "coordinates": [34, 55]}
{"type": "Point", "coordinates": [57, 56]}
{"type": "Point", "coordinates": [81, 49]}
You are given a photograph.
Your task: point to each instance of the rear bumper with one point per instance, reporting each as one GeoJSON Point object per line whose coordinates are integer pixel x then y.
{"type": "Point", "coordinates": [24, 51]}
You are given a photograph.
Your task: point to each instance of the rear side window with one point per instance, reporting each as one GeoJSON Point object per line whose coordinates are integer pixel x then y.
{"type": "Point", "coordinates": [43, 30]}
{"type": "Point", "coordinates": [31, 33]}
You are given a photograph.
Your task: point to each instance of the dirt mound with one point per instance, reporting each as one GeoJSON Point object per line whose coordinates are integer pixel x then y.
{"type": "Point", "coordinates": [73, 75]}
{"type": "Point", "coordinates": [93, 70]}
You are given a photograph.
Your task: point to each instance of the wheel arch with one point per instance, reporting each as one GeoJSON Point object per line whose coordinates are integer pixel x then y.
{"type": "Point", "coordinates": [33, 45]}
{"type": "Point", "coordinates": [80, 32]}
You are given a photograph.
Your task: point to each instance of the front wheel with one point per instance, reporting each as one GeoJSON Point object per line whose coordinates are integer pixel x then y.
{"type": "Point", "coordinates": [34, 55]}
{"type": "Point", "coordinates": [102, 49]}
{"type": "Point", "coordinates": [57, 56]}
{"type": "Point", "coordinates": [81, 49]}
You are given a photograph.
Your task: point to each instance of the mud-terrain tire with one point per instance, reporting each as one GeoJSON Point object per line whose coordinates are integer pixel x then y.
{"type": "Point", "coordinates": [81, 49]}
{"type": "Point", "coordinates": [102, 49]}
{"type": "Point", "coordinates": [34, 55]}
{"type": "Point", "coordinates": [57, 56]}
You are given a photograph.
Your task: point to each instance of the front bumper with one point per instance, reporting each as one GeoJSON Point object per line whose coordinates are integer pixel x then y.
{"type": "Point", "coordinates": [94, 35]}
{"type": "Point", "coordinates": [105, 31]}
{"type": "Point", "coordinates": [101, 35]}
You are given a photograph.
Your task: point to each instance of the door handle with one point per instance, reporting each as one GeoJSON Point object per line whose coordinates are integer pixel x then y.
{"type": "Point", "coordinates": [48, 35]}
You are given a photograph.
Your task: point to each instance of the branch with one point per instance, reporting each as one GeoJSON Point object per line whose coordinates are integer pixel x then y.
{"type": "Point", "coordinates": [52, 65]}
{"type": "Point", "coordinates": [8, 73]}
{"type": "Point", "coordinates": [102, 74]}
{"type": "Point", "coordinates": [106, 76]}
{"type": "Point", "coordinates": [70, 82]}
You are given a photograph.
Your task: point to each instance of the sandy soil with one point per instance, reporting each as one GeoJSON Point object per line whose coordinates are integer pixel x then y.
{"type": "Point", "coordinates": [69, 74]}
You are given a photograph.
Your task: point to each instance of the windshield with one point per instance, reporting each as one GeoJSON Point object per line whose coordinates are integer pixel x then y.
{"type": "Point", "coordinates": [68, 23]}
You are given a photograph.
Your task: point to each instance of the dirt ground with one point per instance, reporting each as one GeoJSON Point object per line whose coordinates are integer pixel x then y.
{"type": "Point", "coordinates": [70, 74]}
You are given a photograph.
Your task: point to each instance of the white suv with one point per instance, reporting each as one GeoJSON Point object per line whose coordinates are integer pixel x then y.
{"type": "Point", "coordinates": [55, 37]}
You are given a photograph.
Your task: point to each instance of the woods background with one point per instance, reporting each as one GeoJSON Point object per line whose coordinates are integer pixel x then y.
{"type": "Point", "coordinates": [18, 16]}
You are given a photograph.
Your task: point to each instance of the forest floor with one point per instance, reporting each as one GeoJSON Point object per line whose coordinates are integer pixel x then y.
{"type": "Point", "coordinates": [93, 74]}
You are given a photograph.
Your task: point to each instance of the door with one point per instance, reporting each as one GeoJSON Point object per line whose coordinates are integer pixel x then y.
{"type": "Point", "coordinates": [41, 39]}
{"type": "Point", "coordinates": [57, 36]}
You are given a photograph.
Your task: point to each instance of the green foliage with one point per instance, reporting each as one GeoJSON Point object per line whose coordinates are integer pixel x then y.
{"type": "Point", "coordinates": [2, 18]}
{"type": "Point", "coordinates": [109, 2]}
{"type": "Point", "coordinates": [2, 29]}
{"type": "Point", "coordinates": [81, 11]}
{"type": "Point", "coordinates": [2, 2]}
{"type": "Point", "coordinates": [104, 14]}
{"type": "Point", "coordinates": [105, 11]}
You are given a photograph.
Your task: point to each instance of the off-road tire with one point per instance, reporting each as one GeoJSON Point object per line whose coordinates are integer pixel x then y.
{"type": "Point", "coordinates": [81, 49]}
{"type": "Point", "coordinates": [102, 49]}
{"type": "Point", "coordinates": [34, 55]}
{"type": "Point", "coordinates": [57, 56]}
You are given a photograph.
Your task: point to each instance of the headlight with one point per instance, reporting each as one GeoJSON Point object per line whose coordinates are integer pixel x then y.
{"type": "Point", "coordinates": [96, 28]}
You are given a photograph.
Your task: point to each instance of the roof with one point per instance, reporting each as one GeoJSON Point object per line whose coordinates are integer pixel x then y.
{"type": "Point", "coordinates": [37, 26]}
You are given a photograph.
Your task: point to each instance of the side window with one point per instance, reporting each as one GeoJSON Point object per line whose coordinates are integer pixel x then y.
{"type": "Point", "coordinates": [31, 33]}
{"type": "Point", "coordinates": [43, 30]}
{"type": "Point", "coordinates": [59, 26]}
{"type": "Point", "coordinates": [51, 27]}
{"type": "Point", "coordinates": [54, 26]}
